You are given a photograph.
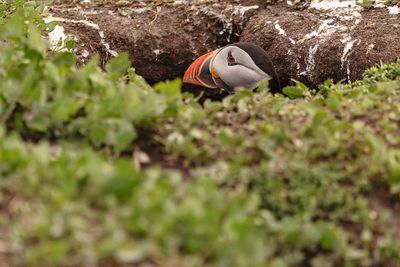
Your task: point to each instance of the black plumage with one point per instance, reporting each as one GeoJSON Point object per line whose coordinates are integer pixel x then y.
{"type": "Point", "coordinates": [261, 59]}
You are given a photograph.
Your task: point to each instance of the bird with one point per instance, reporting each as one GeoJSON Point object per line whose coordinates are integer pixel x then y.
{"type": "Point", "coordinates": [237, 65]}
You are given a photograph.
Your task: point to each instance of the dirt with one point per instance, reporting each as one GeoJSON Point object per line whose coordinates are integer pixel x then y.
{"type": "Point", "coordinates": [287, 57]}
{"type": "Point", "coordinates": [164, 37]}
{"type": "Point", "coordinates": [162, 40]}
{"type": "Point", "coordinates": [372, 36]}
{"type": "Point", "coordinates": [379, 201]}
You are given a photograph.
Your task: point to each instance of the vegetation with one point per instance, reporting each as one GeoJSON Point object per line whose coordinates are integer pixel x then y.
{"type": "Point", "coordinates": [98, 167]}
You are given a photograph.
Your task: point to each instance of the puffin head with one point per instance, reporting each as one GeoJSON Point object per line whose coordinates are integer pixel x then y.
{"type": "Point", "coordinates": [235, 65]}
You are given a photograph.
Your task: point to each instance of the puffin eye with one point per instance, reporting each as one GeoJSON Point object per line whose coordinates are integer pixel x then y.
{"type": "Point", "coordinates": [231, 60]}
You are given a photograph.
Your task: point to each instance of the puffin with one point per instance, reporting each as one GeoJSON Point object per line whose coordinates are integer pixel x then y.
{"type": "Point", "coordinates": [233, 66]}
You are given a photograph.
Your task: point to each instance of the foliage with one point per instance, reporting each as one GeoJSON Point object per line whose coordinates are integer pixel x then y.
{"type": "Point", "coordinates": [307, 178]}
{"type": "Point", "coordinates": [383, 72]}
{"type": "Point", "coordinates": [367, 4]}
{"type": "Point", "coordinates": [43, 94]}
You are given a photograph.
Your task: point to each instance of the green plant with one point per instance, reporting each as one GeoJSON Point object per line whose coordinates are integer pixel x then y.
{"type": "Point", "coordinates": [97, 167]}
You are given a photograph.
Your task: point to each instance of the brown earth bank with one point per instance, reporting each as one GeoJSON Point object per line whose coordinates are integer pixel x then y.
{"type": "Point", "coordinates": [164, 37]}
{"type": "Point", "coordinates": [312, 46]}
{"type": "Point", "coordinates": [162, 40]}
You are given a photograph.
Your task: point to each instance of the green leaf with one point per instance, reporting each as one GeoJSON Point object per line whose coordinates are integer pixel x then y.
{"type": "Point", "coordinates": [116, 133]}
{"type": "Point", "coordinates": [366, 3]}
{"type": "Point", "coordinates": [333, 100]}
{"type": "Point", "coordinates": [69, 42]}
{"type": "Point", "coordinates": [121, 134]}
{"type": "Point", "coordinates": [119, 65]}
{"type": "Point", "coordinates": [330, 238]}
{"type": "Point", "coordinates": [97, 133]}
{"type": "Point", "coordinates": [51, 25]}
{"type": "Point", "coordinates": [35, 40]}
{"type": "Point", "coordinates": [64, 59]}
{"type": "Point", "coordinates": [296, 91]}
{"type": "Point", "coordinates": [170, 88]}
{"type": "Point", "coordinates": [123, 182]}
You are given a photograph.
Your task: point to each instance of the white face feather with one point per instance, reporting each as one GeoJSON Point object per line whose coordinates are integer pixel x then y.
{"type": "Point", "coordinates": [244, 74]}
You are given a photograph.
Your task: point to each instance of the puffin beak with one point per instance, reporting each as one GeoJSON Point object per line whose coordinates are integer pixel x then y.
{"type": "Point", "coordinates": [192, 74]}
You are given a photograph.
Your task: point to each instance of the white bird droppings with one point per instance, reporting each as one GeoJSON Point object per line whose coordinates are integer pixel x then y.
{"type": "Point", "coordinates": [89, 24]}
{"type": "Point", "coordinates": [241, 10]}
{"type": "Point", "coordinates": [350, 4]}
{"type": "Point", "coordinates": [379, 3]}
{"type": "Point", "coordinates": [157, 52]}
{"type": "Point", "coordinates": [140, 10]}
{"type": "Point", "coordinates": [107, 45]}
{"type": "Point", "coordinates": [310, 60]}
{"type": "Point", "coordinates": [85, 53]}
{"type": "Point", "coordinates": [279, 29]}
{"type": "Point", "coordinates": [348, 47]}
{"type": "Point", "coordinates": [227, 16]}
{"type": "Point", "coordinates": [85, 22]}
{"type": "Point", "coordinates": [282, 32]}
{"type": "Point", "coordinates": [333, 4]}
{"type": "Point", "coordinates": [326, 28]}
{"type": "Point", "coordinates": [57, 37]}
{"type": "Point", "coordinates": [339, 22]}
{"type": "Point", "coordinates": [347, 50]}
{"type": "Point", "coordinates": [393, 10]}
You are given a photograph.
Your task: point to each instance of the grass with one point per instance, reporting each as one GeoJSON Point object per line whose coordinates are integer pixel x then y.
{"type": "Point", "coordinates": [99, 168]}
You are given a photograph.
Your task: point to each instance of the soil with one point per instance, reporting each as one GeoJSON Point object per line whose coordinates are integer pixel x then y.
{"type": "Point", "coordinates": [162, 40]}
{"type": "Point", "coordinates": [379, 201]}
{"type": "Point", "coordinates": [164, 37]}
{"type": "Point", "coordinates": [373, 35]}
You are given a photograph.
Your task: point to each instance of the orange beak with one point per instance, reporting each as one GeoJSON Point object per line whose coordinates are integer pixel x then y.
{"type": "Point", "coordinates": [192, 74]}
